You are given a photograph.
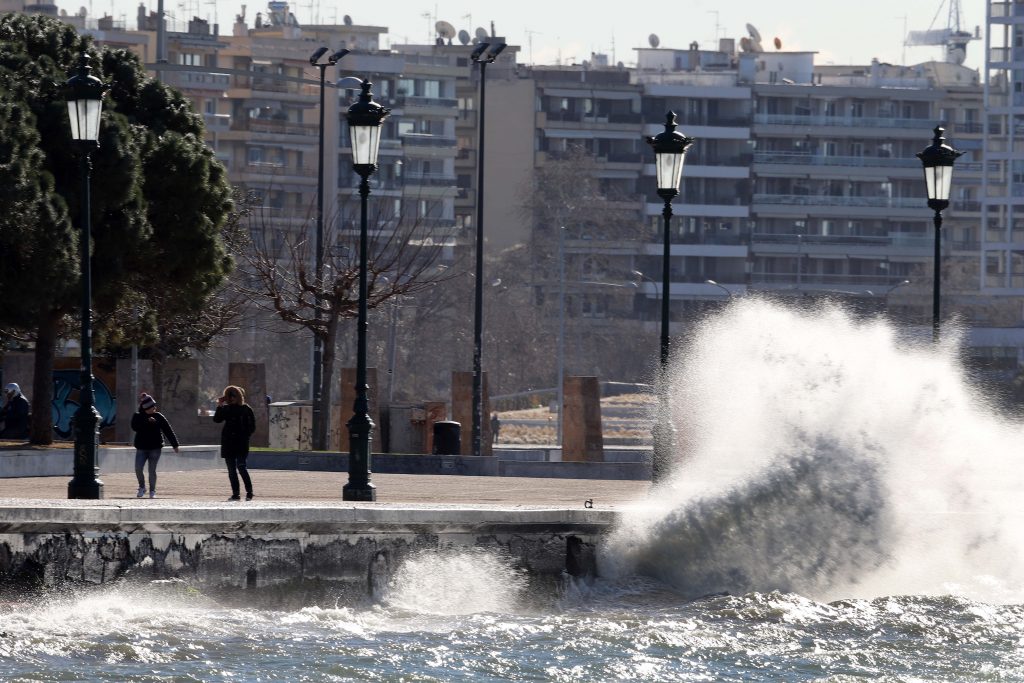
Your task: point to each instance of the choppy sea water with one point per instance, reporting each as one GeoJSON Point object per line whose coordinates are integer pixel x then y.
{"type": "Point", "coordinates": [847, 506]}
{"type": "Point", "coordinates": [604, 633]}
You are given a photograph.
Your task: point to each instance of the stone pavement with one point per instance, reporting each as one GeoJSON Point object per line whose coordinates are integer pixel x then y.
{"type": "Point", "coordinates": [293, 487]}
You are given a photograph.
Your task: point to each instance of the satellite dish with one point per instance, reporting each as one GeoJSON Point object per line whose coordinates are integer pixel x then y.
{"type": "Point", "coordinates": [347, 20]}
{"type": "Point", "coordinates": [754, 33]}
{"type": "Point", "coordinates": [653, 40]}
{"type": "Point", "coordinates": [778, 43]}
{"type": "Point", "coordinates": [481, 33]}
{"type": "Point", "coordinates": [746, 45]}
{"type": "Point", "coordinates": [464, 37]}
{"type": "Point", "coordinates": [444, 30]}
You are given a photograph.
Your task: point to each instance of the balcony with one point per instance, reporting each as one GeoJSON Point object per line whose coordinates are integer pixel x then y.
{"type": "Point", "coordinates": [835, 200]}
{"type": "Point", "coordinates": [799, 158]}
{"type": "Point", "coordinates": [416, 101]}
{"type": "Point", "coordinates": [812, 281]}
{"type": "Point", "coordinates": [425, 140]}
{"type": "Point", "coordinates": [430, 179]}
{"type": "Point", "coordinates": [271, 168]}
{"type": "Point", "coordinates": [842, 121]}
{"type": "Point", "coordinates": [186, 80]}
{"type": "Point", "coordinates": [800, 242]}
{"type": "Point", "coordinates": [277, 127]}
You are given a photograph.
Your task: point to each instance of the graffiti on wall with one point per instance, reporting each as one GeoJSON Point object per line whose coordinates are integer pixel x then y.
{"type": "Point", "coordinates": [66, 402]}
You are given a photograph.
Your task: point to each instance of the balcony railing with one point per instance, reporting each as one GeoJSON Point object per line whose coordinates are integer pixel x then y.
{"type": "Point", "coordinates": [272, 168]}
{"type": "Point", "coordinates": [845, 121]}
{"type": "Point", "coordinates": [833, 200]}
{"type": "Point", "coordinates": [278, 127]}
{"type": "Point", "coordinates": [424, 140]}
{"type": "Point", "coordinates": [807, 280]}
{"type": "Point", "coordinates": [798, 241]}
{"type": "Point", "coordinates": [417, 101]}
{"type": "Point", "coordinates": [431, 179]}
{"type": "Point", "coordinates": [821, 160]}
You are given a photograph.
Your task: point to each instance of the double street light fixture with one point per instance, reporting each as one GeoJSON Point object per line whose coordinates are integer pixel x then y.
{"type": "Point", "coordinates": [483, 54]}
{"type": "Point", "coordinates": [669, 153]}
{"type": "Point", "coordinates": [938, 159]}
{"type": "Point", "coordinates": [364, 123]}
{"type": "Point", "coordinates": [85, 104]}
{"type": "Point", "coordinates": [319, 414]}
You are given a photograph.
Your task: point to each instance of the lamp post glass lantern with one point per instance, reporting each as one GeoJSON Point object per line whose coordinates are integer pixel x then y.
{"type": "Point", "coordinates": [483, 54]}
{"type": "Point", "coordinates": [85, 104]}
{"type": "Point", "coordinates": [319, 421]}
{"type": "Point", "coordinates": [669, 153]}
{"type": "Point", "coordinates": [938, 159]}
{"type": "Point", "coordinates": [364, 123]}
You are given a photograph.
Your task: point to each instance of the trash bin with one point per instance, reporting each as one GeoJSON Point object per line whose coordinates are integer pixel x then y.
{"type": "Point", "coordinates": [447, 437]}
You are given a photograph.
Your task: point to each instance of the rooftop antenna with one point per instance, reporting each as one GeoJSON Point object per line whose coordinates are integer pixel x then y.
{"type": "Point", "coordinates": [428, 16]}
{"type": "Point", "coordinates": [529, 41]}
{"type": "Point", "coordinates": [718, 29]}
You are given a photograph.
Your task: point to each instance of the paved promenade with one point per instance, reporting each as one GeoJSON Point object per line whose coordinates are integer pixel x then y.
{"type": "Point", "coordinates": [290, 488]}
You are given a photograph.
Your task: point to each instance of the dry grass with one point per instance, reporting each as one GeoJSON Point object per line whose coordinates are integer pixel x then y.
{"type": "Point", "coordinates": [546, 433]}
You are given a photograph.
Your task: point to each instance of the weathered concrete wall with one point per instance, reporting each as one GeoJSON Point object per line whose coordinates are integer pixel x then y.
{"type": "Point", "coordinates": [251, 547]}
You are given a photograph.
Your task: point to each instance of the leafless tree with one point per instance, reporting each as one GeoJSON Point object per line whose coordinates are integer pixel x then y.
{"type": "Point", "coordinates": [404, 259]}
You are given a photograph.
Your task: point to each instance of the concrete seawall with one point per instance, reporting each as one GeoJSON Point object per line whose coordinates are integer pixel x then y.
{"type": "Point", "coordinates": [343, 550]}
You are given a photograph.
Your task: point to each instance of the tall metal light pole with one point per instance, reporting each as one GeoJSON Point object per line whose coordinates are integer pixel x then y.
{"type": "Point", "coordinates": [937, 159]}
{"type": "Point", "coordinates": [669, 152]}
{"type": "Point", "coordinates": [320, 425]}
{"type": "Point", "coordinates": [483, 54]}
{"type": "Point", "coordinates": [364, 123]}
{"type": "Point", "coordinates": [85, 104]}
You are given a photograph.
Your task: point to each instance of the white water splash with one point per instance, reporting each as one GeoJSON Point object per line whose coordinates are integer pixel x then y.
{"type": "Point", "coordinates": [456, 582]}
{"type": "Point", "coordinates": [827, 456]}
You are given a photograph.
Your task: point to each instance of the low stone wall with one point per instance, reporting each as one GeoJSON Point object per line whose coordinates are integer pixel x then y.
{"type": "Point", "coordinates": [524, 463]}
{"type": "Point", "coordinates": [385, 463]}
{"type": "Point", "coordinates": [351, 549]}
{"type": "Point", "coordinates": [59, 461]}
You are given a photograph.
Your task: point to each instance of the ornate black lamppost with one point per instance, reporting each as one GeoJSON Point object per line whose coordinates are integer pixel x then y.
{"type": "Point", "coordinates": [85, 104]}
{"type": "Point", "coordinates": [937, 160]}
{"type": "Point", "coordinates": [364, 123]}
{"type": "Point", "coordinates": [319, 414]}
{"type": "Point", "coordinates": [669, 152]}
{"type": "Point", "coordinates": [483, 54]}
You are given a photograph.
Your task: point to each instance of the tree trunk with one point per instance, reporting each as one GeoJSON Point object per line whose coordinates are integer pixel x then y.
{"type": "Point", "coordinates": [42, 381]}
{"type": "Point", "coordinates": [327, 380]}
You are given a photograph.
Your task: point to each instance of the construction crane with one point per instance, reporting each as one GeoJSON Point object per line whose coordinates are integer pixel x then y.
{"type": "Point", "coordinates": [953, 37]}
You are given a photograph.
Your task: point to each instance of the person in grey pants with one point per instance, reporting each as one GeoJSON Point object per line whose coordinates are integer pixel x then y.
{"type": "Point", "coordinates": [150, 428]}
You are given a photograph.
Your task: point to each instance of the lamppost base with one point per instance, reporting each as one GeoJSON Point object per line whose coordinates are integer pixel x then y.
{"type": "Point", "coordinates": [364, 493]}
{"type": "Point", "coordinates": [85, 489]}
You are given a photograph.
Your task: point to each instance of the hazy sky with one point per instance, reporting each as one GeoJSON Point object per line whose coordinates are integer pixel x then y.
{"type": "Point", "coordinates": [550, 31]}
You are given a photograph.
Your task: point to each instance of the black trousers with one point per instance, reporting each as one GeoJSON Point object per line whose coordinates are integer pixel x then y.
{"type": "Point", "coordinates": [236, 467]}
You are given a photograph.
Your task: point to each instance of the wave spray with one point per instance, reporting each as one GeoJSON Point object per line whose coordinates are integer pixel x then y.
{"type": "Point", "coordinates": [827, 456]}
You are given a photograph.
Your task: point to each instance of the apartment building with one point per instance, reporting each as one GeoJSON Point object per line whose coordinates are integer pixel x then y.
{"type": "Point", "coordinates": [803, 180]}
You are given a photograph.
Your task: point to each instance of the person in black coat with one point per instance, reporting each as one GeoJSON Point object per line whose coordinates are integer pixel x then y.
{"type": "Point", "coordinates": [150, 428]}
{"type": "Point", "coordinates": [14, 414]}
{"type": "Point", "coordinates": [239, 424]}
